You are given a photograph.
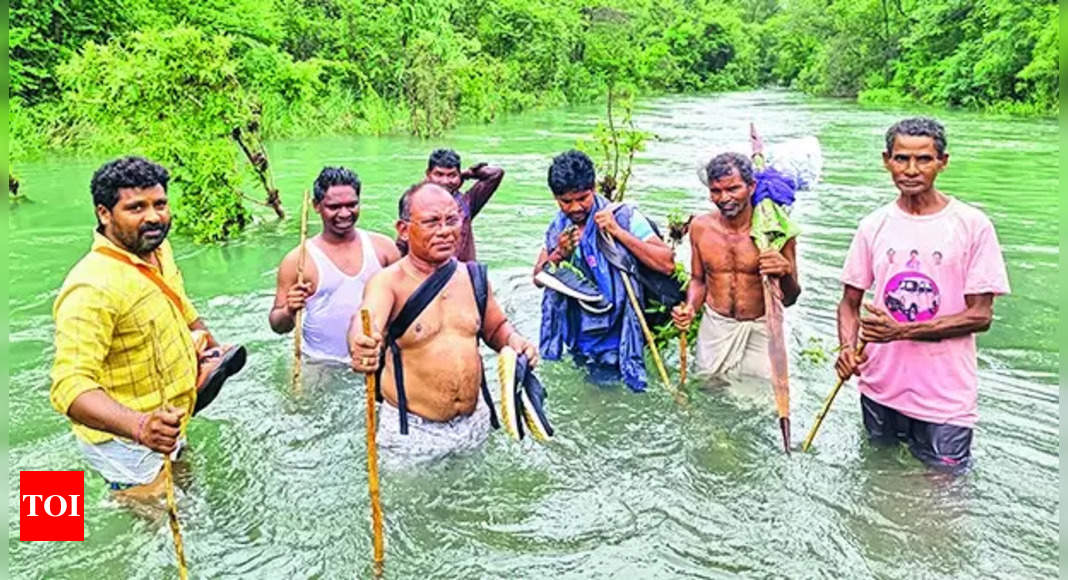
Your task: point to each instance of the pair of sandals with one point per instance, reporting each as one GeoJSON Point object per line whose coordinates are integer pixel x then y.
{"type": "Point", "coordinates": [571, 282]}
{"type": "Point", "coordinates": [522, 397]}
{"type": "Point", "coordinates": [215, 365]}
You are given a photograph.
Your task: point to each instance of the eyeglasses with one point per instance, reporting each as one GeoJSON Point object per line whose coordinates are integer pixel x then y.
{"type": "Point", "coordinates": [438, 223]}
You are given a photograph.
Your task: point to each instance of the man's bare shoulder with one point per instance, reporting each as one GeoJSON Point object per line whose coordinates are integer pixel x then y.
{"type": "Point", "coordinates": [702, 224]}
{"type": "Point", "coordinates": [387, 276]}
{"type": "Point", "coordinates": [385, 248]}
{"type": "Point", "coordinates": [291, 257]}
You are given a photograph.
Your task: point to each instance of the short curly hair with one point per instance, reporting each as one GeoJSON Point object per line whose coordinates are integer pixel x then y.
{"type": "Point", "coordinates": [571, 171]}
{"type": "Point", "coordinates": [724, 164]}
{"type": "Point", "coordinates": [444, 158]}
{"type": "Point", "coordinates": [131, 171]}
{"type": "Point", "coordinates": [331, 176]}
{"type": "Point", "coordinates": [918, 127]}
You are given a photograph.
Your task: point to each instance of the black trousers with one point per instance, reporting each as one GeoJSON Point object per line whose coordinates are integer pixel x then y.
{"type": "Point", "coordinates": [936, 444]}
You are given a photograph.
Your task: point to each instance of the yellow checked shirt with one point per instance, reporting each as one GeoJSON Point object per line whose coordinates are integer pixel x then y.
{"type": "Point", "coordinates": [117, 331]}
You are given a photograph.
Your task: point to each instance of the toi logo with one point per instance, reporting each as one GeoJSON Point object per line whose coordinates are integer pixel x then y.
{"type": "Point", "coordinates": [51, 506]}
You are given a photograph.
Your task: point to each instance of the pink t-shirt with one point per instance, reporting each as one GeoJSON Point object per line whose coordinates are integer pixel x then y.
{"type": "Point", "coordinates": [920, 268]}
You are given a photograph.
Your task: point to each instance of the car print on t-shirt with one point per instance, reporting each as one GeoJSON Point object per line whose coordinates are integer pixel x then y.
{"type": "Point", "coordinates": [911, 296]}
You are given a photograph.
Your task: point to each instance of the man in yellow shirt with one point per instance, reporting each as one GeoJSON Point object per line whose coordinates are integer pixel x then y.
{"type": "Point", "coordinates": [125, 369]}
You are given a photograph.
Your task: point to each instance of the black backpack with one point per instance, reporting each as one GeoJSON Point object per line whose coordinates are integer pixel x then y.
{"type": "Point", "coordinates": [660, 288]}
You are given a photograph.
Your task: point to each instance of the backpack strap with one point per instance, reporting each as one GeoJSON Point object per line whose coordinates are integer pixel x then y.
{"type": "Point", "coordinates": [416, 304]}
{"type": "Point", "coordinates": [147, 272]}
{"type": "Point", "coordinates": [480, 285]}
{"type": "Point", "coordinates": [478, 274]}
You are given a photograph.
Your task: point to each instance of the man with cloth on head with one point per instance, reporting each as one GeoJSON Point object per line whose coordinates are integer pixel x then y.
{"type": "Point", "coordinates": [727, 267]}
{"type": "Point", "coordinates": [343, 259]}
{"type": "Point", "coordinates": [128, 340]}
{"type": "Point", "coordinates": [430, 312]}
{"type": "Point", "coordinates": [585, 306]}
{"type": "Point", "coordinates": [918, 377]}
{"type": "Point", "coordinates": [443, 168]}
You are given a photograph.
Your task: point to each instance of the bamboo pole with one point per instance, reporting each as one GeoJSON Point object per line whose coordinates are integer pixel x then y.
{"type": "Point", "coordinates": [298, 326]}
{"type": "Point", "coordinates": [682, 358]}
{"type": "Point", "coordinates": [646, 332]}
{"type": "Point", "coordinates": [648, 335]}
{"type": "Point", "coordinates": [372, 459]}
{"type": "Point", "coordinates": [172, 505]}
{"type": "Point", "coordinates": [827, 405]}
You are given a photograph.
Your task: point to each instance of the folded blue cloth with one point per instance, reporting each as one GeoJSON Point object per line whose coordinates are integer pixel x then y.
{"type": "Point", "coordinates": [770, 184]}
{"type": "Point", "coordinates": [612, 339]}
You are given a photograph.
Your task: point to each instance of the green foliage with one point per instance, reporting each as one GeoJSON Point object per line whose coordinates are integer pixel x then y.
{"type": "Point", "coordinates": [46, 33]}
{"type": "Point", "coordinates": [126, 75]}
{"type": "Point", "coordinates": [431, 88]}
{"type": "Point", "coordinates": [616, 141]}
{"type": "Point", "coordinates": [678, 226]}
{"type": "Point", "coordinates": [173, 97]}
{"type": "Point", "coordinates": [665, 334]}
{"type": "Point", "coordinates": [816, 353]}
{"type": "Point", "coordinates": [980, 54]}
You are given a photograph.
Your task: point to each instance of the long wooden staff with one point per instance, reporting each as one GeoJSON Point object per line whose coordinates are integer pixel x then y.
{"type": "Point", "coordinates": [646, 332]}
{"type": "Point", "coordinates": [827, 405]}
{"type": "Point", "coordinates": [777, 358]}
{"type": "Point", "coordinates": [172, 505]}
{"type": "Point", "coordinates": [298, 325]}
{"type": "Point", "coordinates": [780, 369]}
{"type": "Point", "coordinates": [372, 457]}
{"type": "Point", "coordinates": [682, 358]}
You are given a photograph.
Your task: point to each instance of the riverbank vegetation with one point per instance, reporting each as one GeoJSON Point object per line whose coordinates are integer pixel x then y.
{"type": "Point", "coordinates": [171, 80]}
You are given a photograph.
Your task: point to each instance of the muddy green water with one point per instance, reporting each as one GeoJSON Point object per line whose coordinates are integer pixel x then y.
{"type": "Point", "coordinates": [632, 486]}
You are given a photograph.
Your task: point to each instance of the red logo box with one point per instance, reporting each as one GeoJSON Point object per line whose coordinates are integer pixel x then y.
{"type": "Point", "coordinates": [51, 506]}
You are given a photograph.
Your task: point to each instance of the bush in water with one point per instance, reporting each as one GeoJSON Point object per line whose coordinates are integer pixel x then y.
{"type": "Point", "coordinates": [173, 97]}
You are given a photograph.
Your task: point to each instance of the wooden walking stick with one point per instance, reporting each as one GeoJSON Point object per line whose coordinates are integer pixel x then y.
{"type": "Point", "coordinates": [372, 457]}
{"type": "Point", "coordinates": [172, 505]}
{"type": "Point", "coordinates": [682, 358]}
{"type": "Point", "coordinates": [298, 326]}
{"type": "Point", "coordinates": [648, 335]}
{"type": "Point", "coordinates": [827, 405]}
{"type": "Point", "coordinates": [645, 329]}
{"type": "Point", "coordinates": [773, 309]}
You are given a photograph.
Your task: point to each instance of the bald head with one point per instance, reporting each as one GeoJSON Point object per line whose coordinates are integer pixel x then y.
{"type": "Point", "coordinates": [429, 222]}
{"type": "Point", "coordinates": [421, 190]}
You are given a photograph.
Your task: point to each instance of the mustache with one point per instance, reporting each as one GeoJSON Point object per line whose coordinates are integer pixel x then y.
{"type": "Point", "coordinates": [152, 228]}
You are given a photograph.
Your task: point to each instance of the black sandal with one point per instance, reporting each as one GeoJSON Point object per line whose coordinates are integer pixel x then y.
{"type": "Point", "coordinates": [232, 361]}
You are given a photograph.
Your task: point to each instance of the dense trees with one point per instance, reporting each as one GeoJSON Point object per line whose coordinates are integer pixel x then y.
{"type": "Point", "coordinates": [170, 78]}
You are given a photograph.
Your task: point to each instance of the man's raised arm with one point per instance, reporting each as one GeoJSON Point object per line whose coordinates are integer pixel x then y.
{"type": "Point", "coordinates": [489, 179]}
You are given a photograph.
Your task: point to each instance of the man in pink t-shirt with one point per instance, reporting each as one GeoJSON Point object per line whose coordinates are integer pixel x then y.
{"type": "Point", "coordinates": [917, 374]}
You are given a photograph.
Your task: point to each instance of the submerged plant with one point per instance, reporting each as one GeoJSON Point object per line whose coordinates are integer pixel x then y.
{"type": "Point", "coordinates": [13, 188]}
{"type": "Point", "coordinates": [617, 145]}
{"type": "Point", "coordinates": [816, 352]}
{"type": "Point", "coordinates": [678, 226]}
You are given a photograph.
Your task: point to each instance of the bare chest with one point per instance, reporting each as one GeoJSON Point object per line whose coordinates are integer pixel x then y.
{"type": "Point", "coordinates": [723, 253]}
{"type": "Point", "coordinates": [451, 315]}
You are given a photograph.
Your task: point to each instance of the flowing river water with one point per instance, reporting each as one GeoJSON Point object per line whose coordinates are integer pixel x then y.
{"type": "Point", "coordinates": [632, 486]}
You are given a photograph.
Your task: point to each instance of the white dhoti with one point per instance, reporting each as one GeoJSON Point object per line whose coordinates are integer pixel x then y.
{"type": "Point", "coordinates": [729, 347]}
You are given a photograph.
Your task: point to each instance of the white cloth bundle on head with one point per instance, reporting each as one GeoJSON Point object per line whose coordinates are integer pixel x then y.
{"type": "Point", "coordinates": [800, 159]}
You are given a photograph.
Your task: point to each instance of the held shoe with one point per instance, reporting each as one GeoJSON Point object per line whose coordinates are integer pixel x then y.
{"type": "Point", "coordinates": [532, 394]}
{"type": "Point", "coordinates": [571, 282]}
{"type": "Point", "coordinates": [511, 414]}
